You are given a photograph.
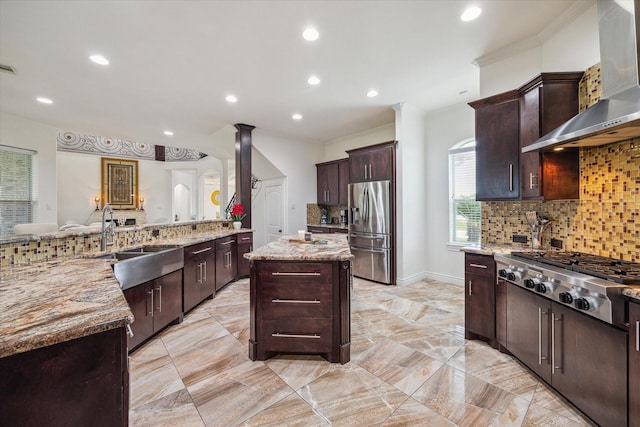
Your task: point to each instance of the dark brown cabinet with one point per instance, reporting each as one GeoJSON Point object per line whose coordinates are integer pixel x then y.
{"type": "Point", "coordinates": [501, 313]}
{"type": "Point", "coordinates": [244, 243]}
{"type": "Point", "coordinates": [634, 364]}
{"type": "Point", "coordinates": [199, 277]}
{"type": "Point", "coordinates": [497, 147]}
{"type": "Point", "coordinates": [326, 230]}
{"type": "Point", "coordinates": [82, 382]}
{"type": "Point", "coordinates": [343, 182]}
{"type": "Point", "coordinates": [479, 300]}
{"type": "Point", "coordinates": [582, 358]}
{"type": "Point", "coordinates": [154, 304]}
{"type": "Point", "coordinates": [546, 102]}
{"type": "Point", "coordinates": [333, 182]}
{"type": "Point", "coordinates": [226, 261]}
{"type": "Point", "coordinates": [302, 308]}
{"type": "Point", "coordinates": [373, 163]}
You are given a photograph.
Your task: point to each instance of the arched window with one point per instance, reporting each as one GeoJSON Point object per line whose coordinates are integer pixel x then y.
{"type": "Point", "coordinates": [464, 211]}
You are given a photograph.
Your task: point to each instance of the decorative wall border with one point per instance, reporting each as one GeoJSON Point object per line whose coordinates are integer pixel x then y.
{"type": "Point", "coordinates": [102, 145]}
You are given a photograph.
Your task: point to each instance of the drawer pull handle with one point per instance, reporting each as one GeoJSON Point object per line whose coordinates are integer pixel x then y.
{"type": "Point", "coordinates": [296, 301]}
{"type": "Point", "coordinates": [227, 243]}
{"type": "Point", "coordinates": [637, 335]}
{"type": "Point", "coordinates": [246, 238]}
{"type": "Point", "coordinates": [277, 273]}
{"type": "Point", "coordinates": [201, 251]}
{"type": "Point", "coordinates": [478, 266]}
{"type": "Point", "coordinates": [279, 335]}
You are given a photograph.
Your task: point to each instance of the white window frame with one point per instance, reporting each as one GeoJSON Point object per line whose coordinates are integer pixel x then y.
{"type": "Point", "coordinates": [463, 192]}
{"type": "Point", "coordinates": [18, 188]}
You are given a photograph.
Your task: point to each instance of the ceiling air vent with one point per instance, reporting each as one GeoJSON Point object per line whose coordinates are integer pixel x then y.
{"type": "Point", "coordinates": [7, 68]}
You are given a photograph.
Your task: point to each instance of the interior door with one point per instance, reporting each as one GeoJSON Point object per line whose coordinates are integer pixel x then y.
{"type": "Point", "coordinates": [275, 212]}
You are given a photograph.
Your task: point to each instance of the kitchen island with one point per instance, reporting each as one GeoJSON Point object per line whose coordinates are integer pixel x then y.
{"type": "Point", "coordinates": [300, 298]}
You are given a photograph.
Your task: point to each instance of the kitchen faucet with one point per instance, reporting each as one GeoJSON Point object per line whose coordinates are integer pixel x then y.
{"type": "Point", "coordinates": [112, 230]}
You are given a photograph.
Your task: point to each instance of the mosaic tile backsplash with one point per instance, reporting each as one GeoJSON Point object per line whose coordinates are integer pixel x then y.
{"type": "Point", "coordinates": [605, 221]}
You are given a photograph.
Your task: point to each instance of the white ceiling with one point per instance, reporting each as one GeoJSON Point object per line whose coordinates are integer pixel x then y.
{"type": "Point", "coordinates": [173, 62]}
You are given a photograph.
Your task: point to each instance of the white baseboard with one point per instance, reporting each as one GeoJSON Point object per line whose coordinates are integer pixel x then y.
{"type": "Point", "coordinates": [430, 275]}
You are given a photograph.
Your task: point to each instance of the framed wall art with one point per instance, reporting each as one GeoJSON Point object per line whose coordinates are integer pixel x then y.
{"type": "Point", "coordinates": [120, 183]}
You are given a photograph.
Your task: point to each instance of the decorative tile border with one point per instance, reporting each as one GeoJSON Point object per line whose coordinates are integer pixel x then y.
{"type": "Point", "coordinates": [101, 145]}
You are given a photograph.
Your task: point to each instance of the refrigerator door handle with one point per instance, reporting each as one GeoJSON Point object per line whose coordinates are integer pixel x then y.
{"type": "Point", "coordinates": [379, 251]}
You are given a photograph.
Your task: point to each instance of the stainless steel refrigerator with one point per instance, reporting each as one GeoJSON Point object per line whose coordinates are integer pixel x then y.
{"type": "Point", "coordinates": [370, 230]}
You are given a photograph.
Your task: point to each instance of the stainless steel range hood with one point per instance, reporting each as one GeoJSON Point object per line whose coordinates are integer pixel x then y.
{"type": "Point", "coordinates": [617, 116]}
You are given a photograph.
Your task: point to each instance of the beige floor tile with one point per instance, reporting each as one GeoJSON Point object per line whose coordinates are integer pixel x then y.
{"type": "Point", "coordinates": [237, 394]}
{"type": "Point", "coordinates": [292, 411]}
{"type": "Point", "coordinates": [174, 410]}
{"type": "Point", "coordinates": [299, 370]}
{"type": "Point", "coordinates": [351, 396]}
{"type": "Point", "coordinates": [412, 413]}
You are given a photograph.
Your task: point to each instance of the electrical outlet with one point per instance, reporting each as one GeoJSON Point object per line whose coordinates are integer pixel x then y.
{"type": "Point", "coordinates": [519, 238]}
{"type": "Point", "coordinates": [556, 243]}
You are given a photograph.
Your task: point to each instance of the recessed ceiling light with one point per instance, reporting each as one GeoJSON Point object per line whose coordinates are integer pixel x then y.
{"type": "Point", "coordinates": [470, 13]}
{"type": "Point", "coordinates": [231, 98]}
{"type": "Point", "coordinates": [99, 59]}
{"type": "Point", "coordinates": [311, 34]}
{"type": "Point", "coordinates": [44, 100]}
{"type": "Point", "coordinates": [168, 133]}
{"type": "Point", "coordinates": [296, 116]}
{"type": "Point", "coordinates": [372, 93]}
{"type": "Point", "coordinates": [313, 80]}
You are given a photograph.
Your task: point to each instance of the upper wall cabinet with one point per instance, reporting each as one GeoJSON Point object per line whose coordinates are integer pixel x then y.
{"type": "Point", "coordinates": [333, 182]}
{"type": "Point", "coordinates": [373, 163]}
{"type": "Point", "coordinates": [497, 147]}
{"type": "Point", "coordinates": [546, 102]}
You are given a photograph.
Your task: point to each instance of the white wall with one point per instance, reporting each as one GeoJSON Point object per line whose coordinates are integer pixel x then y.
{"type": "Point", "coordinates": [336, 149]}
{"type": "Point", "coordinates": [443, 129]}
{"type": "Point", "coordinates": [22, 133]}
{"type": "Point", "coordinates": [296, 160]}
{"type": "Point", "coordinates": [411, 189]}
{"type": "Point", "coordinates": [574, 47]}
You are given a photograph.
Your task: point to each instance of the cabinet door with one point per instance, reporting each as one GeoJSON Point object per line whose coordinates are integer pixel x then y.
{"type": "Point", "coordinates": [634, 364]}
{"type": "Point", "coordinates": [328, 182]}
{"type": "Point", "coordinates": [589, 359]}
{"type": "Point", "coordinates": [244, 246]}
{"type": "Point", "coordinates": [225, 261]}
{"type": "Point", "coordinates": [358, 167]}
{"type": "Point", "coordinates": [497, 147]}
{"type": "Point", "coordinates": [139, 299]}
{"type": "Point", "coordinates": [167, 299]}
{"type": "Point", "coordinates": [381, 163]}
{"type": "Point", "coordinates": [530, 163]}
{"type": "Point", "coordinates": [343, 182]}
{"type": "Point", "coordinates": [191, 279]}
{"type": "Point", "coordinates": [208, 273]}
{"type": "Point", "coordinates": [480, 274]}
{"type": "Point", "coordinates": [501, 312]}
{"type": "Point", "coordinates": [528, 329]}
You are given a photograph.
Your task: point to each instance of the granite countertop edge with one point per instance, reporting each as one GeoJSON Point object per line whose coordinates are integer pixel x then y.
{"type": "Point", "coordinates": [632, 292]}
{"type": "Point", "coordinates": [288, 248]}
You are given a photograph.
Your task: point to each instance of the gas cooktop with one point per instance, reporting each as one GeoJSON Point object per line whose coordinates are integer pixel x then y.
{"type": "Point", "coordinates": [623, 272]}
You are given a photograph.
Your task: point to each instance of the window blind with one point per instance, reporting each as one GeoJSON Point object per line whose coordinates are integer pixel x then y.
{"type": "Point", "coordinates": [464, 211]}
{"type": "Point", "coordinates": [18, 188]}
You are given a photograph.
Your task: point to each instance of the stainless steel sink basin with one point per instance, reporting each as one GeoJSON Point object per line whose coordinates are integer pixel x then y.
{"type": "Point", "coordinates": [140, 265]}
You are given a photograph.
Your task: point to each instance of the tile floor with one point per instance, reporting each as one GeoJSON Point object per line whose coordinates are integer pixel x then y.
{"type": "Point", "coordinates": [410, 366]}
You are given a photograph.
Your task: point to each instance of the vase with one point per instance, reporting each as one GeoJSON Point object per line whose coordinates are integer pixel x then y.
{"type": "Point", "coordinates": [237, 225]}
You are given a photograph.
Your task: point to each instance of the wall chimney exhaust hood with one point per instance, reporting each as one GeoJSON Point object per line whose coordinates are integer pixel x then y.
{"type": "Point", "coordinates": [617, 116]}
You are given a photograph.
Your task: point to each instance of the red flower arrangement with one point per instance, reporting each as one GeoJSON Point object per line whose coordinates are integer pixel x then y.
{"type": "Point", "coordinates": [237, 213]}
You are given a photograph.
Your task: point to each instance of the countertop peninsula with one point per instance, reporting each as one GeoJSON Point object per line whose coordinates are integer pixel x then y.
{"type": "Point", "coordinates": [53, 301]}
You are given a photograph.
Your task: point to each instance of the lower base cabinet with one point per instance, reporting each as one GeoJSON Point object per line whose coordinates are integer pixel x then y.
{"type": "Point", "coordinates": [154, 305]}
{"type": "Point", "coordinates": [226, 266]}
{"type": "Point", "coordinates": [479, 297]}
{"type": "Point", "coordinates": [244, 246]}
{"type": "Point", "coordinates": [82, 382]}
{"type": "Point", "coordinates": [199, 276]}
{"type": "Point", "coordinates": [300, 308]}
{"type": "Point", "coordinates": [634, 364]}
{"type": "Point", "coordinates": [583, 358]}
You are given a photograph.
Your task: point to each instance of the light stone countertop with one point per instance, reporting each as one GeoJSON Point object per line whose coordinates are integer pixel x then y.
{"type": "Point", "coordinates": [336, 249]}
{"type": "Point", "coordinates": [342, 227]}
{"type": "Point", "coordinates": [490, 249]}
{"type": "Point", "coordinates": [55, 301]}
{"type": "Point", "coordinates": [50, 302]}
{"type": "Point", "coordinates": [632, 292]}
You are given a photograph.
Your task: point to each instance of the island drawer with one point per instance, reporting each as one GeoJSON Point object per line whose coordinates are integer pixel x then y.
{"type": "Point", "coordinates": [225, 242]}
{"type": "Point", "coordinates": [305, 335]}
{"type": "Point", "coordinates": [296, 272]}
{"type": "Point", "coordinates": [300, 300]}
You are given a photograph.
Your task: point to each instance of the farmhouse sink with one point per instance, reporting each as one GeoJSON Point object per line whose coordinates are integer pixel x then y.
{"type": "Point", "coordinates": [140, 265]}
